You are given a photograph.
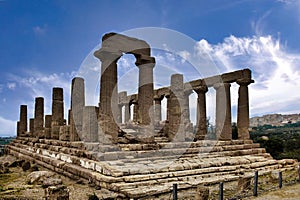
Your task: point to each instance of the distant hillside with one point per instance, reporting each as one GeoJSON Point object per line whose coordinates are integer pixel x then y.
{"type": "Point", "coordinates": [274, 120]}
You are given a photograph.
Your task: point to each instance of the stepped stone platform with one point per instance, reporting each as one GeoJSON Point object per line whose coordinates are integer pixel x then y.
{"type": "Point", "coordinates": [149, 170]}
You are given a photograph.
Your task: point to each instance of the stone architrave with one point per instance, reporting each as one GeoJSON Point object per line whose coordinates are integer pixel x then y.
{"type": "Point", "coordinates": [90, 124]}
{"type": "Point", "coordinates": [243, 109]}
{"type": "Point", "coordinates": [223, 111]}
{"type": "Point", "coordinates": [76, 111]}
{"type": "Point", "coordinates": [23, 121]}
{"type": "Point", "coordinates": [145, 91]}
{"type": "Point", "coordinates": [176, 124]}
{"type": "Point", "coordinates": [39, 117]}
{"type": "Point", "coordinates": [201, 126]}
{"type": "Point", "coordinates": [57, 112]}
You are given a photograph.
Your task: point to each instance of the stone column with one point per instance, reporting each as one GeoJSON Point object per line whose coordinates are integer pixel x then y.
{"type": "Point", "coordinates": [119, 115]}
{"type": "Point", "coordinates": [157, 109]}
{"type": "Point", "coordinates": [127, 113]}
{"type": "Point", "coordinates": [223, 111]}
{"type": "Point", "coordinates": [167, 122]}
{"type": "Point", "coordinates": [23, 121]}
{"type": "Point", "coordinates": [145, 91]}
{"type": "Point", "coordinates": [108, 93]}
{"type": "Point", "coordinates": [57, 112]}
{"type": "Point", "coordinates": [176, 124]}
{"type": "Point", "coordinates": [31, 127]}
{"type": "Point", "coordinates": [243, 109]}
{"type": "Point", "coordinates": [76, 111]}
{"type": "Point", "coordinates": [186, 111]}
{"type": "Point", "coordinates": [201, 126]}
{"type": "Point", "coordinates": [90, 124]}
{"type": "Point", "coordinates": [48, 121]}
{"type": "Point", "coordinates": [135, 112]}
{"type": "Point", "coordinates": [39, 117]}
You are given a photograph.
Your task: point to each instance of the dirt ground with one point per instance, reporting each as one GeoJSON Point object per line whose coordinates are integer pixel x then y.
{"type": "Point", "coordinates": [291, 192]}
{"type": "Point", "coordinates": [13, 185]}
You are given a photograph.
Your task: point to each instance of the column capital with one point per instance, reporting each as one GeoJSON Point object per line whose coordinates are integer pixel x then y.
{"type": "Point", "coordinates": [244, 82]}
{"type": "Point", "coordinates": [200, 89]}
{"type": "Point", "coordinates": [219, 85]}
{"type": "Point", "coordinates": [144, 60]}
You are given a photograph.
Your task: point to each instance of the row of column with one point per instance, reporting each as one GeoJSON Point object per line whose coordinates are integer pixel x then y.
{"type": "Point", "coordinates": [178, 109]}
{"type": "Point", "coordinates": [178, 106]}
{"type": "Point", "coordinates": [83, 120]}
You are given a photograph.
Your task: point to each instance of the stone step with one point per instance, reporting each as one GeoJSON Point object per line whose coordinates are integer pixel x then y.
{"type": "Point", "coordinates": [177, 151]}
{"type": "Point", "coordinates": [156, 166]}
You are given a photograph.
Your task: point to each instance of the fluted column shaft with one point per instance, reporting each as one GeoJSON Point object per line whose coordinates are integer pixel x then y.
{"type": "Point", "coordinates": [145, 91]}
{"type": "Point", "coordinates": [157, 109]}
{"type": "Point", "coordinates": [127, 113]}
{"type": "Point", "coordinates": [223, 111]}
{"type": "Point", "coordinates": [22, 127]}
{"type": "Point", "coordinates": [243, 110]}
{"type": "Point", "coordinates": [109, 111]}
{"type": "Point", "coordinates": [201, 126]}
{"type": "Point", "coordinates": [39, 117]}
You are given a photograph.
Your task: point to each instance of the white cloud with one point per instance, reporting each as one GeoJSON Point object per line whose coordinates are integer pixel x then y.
{"type": "Point", "coordinates": [40, 30]}
{"type": "Point", "coordinates": [38, 84]}
{"type": "Point", "coordinates": [275, 70]}
{"type": "Point", "coordinates": [7, 127]}
{"type": "Point", "coordinates": [11, 86]}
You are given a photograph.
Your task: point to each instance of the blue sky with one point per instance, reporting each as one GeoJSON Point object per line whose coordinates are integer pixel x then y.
{"type": "Point", "coordinates": [43, 44]}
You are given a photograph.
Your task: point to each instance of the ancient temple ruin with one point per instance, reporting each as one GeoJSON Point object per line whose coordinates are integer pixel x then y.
{"type": "Point", "coordinates": [143, 156]}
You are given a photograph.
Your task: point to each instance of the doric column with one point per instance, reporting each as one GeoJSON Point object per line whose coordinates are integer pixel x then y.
{"type": "Point", "coordinates": [127, 113]}
{"type": "Point", "coordinates": [157, 108]}
{"type": "Point", "coordinates": [243, 109]}
{"type": "Point", "coordinates": [76, 111]}
{"type": "Point", "coordinates": [23, 121]}
{"type": "Point", "coordinates": [31, 127]}
{"type": "Point", "coordinates": [223, 111]}
{"type": "Point", "coordinates": [201, 126]}
{"type": "Point", "coordinates": [145, 91]}
{"type": "Point", "coordinates": [48, 121]}
{"type": "Point", "coordinates": [176, 125]}
{"type": "Point", "coordinates": [119, 116]}
{"type": "Point", "coordinates": [58, 107]}
{"type": "Point", "coordinates": [57, 112]}
{"type": "Point", "coordinates": [186, 110]}
{"type": "Point", "coordinates": [108, 106]}
{"type": "Point", "coordinates": [90, 124]}
{"type": "Point", "coordinates": [39, 117]}
{"type": "Point", "coordinates": [135, 112]}
{"type": "Point", "coordinates": [166, 126]}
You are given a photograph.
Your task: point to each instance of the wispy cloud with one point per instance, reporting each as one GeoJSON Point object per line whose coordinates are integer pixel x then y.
{"type": "Point", "coordinates": [40, 30]}
{"type": "Point", "coordinates": [7, 127]}
{"type": "Point", "coordinates": [37, 84]}
{"type": "Point", "coordinates": [11, 86]}
{"type": "Point", "coordinates": [275, 70]}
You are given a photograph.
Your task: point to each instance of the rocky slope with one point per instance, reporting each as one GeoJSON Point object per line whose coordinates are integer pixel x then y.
{"type": "Point", "coordinates": [274, 120]}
